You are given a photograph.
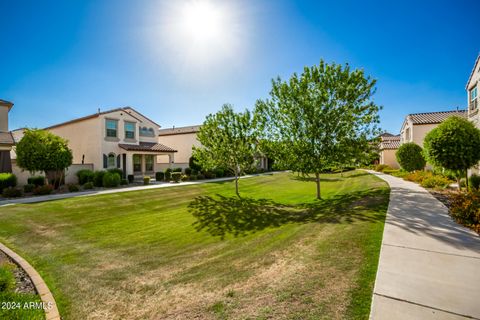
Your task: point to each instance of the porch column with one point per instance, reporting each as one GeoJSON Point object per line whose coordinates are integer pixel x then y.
{"type": "Point", "coordinates": [129, 163]}
{"type": "Point", "coordinates": [143, 165]}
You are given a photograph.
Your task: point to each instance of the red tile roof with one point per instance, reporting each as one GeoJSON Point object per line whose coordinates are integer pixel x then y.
{"type": "Point", "coordinates": [6, 138]}
{"type": "Point", "coordinates": [390, 142]}
{"type": "Point", "coordinates": [179, 130]}
{"type": "Point", "coordinates": [146, 146]}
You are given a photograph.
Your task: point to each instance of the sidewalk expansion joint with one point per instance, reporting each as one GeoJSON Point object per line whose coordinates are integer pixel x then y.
{"type": "Point", "coordinates": [431, 251]}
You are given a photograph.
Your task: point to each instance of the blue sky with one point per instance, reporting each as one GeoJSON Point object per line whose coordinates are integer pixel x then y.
{"type": "Point", "coordinates": [66, 59]}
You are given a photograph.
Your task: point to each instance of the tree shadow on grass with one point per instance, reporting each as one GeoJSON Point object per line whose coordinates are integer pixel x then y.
{"type": "Point", "coordinates": [221, 216]}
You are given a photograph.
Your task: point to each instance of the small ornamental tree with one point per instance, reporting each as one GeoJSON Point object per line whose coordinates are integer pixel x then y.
{"type": "Point", "coordinates": [453, 145]}
{"type": "Point", "coordinates": [228, 141]}
{"type": "Point", "coordinates": [42, 151]}
{"type": "Point", "coordinates": [410, 157]}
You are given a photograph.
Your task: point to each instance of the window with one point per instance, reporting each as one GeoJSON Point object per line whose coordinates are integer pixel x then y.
{"type": "Point", "coordinates": [137, 163]}
{"type": "Point", "coordinates": [111, 128]}
{"type": "Point", "coordinates": [473, 94]}
{"type": "Point", "coordinates": [147, 132]}
{"type": "Point", "coordinates": [148, 163]}
{"type": "Point", "coordinates": [129, 130]}
{"type": "Point", "coordinates": [111, 160]}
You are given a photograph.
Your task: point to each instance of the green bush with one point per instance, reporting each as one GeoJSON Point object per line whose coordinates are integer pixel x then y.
{"type": "Point", "coordinates": [219, 172]}
{"type": "Point", "coordinates": [381, 167]}
{"type": "Point", "coordinates": [73, 188]}
{"type": "Point", "coordinates": [399, 173]}
{"type": "Point", "coordinates": [28, 188]}
{"type": "Point", "coordinates": [474, 182]}
{"type": "Point", "coordinates": [7, 279]}
{"type": "Point", "coordinates": [168, 174]}
{"type": "Point", "coordinates": [184, 178]}
{"type": "Point", "coordinates": [436, 181]}
{"type": "Point", "coordinates": [131, 178]}
{"type": "Point", "coordinates": [37, 181]}
{"type": "Point", "coordinates": [7, 180]}
{"type": "Point", "coordinates": [193, 177]}
{"type": "Point", "coordinates": [146, 180]}
{"type": "Point", "coordinates": [159, 176]}
{"type": "Point", "coordinates": [465, 209]}
{"type": "Point", "coordinates": [98, 178]}
{"type": "Point", "coordinates": [43, 190]}
{"type": "Point", "coordinates": [209, 175]}
{"type": "Point", "coordinates": [116, 170]}
{"type": "Point", "coordinates": [200, 176]}
{"type": "Point", "coordinates": [188, 171]}
{"type": "Point", "coordinates": [88, 186]}
{"type": "Point", "coordinates": [418, 176]}
{"type": "Point", "coordinates": [177, 170]}
{"type": "Point", "coordinates": [410, 157]}
{"type": "Point", "coordinates": [176, 176]}
{"type": "Point", "coordinates": [192, 163]}
{"type": "Point", "coordinates": [85, 176]}
{"type": "Point", "coordinates": [111, 179]}
{"type": "Point", "coordinates": [12, 192]}
{"type": "Point", "coordinates": [124, 182]}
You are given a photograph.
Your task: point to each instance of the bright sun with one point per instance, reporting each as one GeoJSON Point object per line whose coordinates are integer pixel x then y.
{"type": "Point", "coordinates": [201, 21]}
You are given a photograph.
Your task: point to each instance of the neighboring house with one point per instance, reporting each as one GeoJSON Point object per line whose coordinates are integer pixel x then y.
{"type": "Point", "coordinates": [6, 138]}
{"type": "Point", "coordinates": [120, 138]}
{"type": "Point", "coordinates": [182, 139]}
{"type": "Point", "coordinates": [473, 88]}
{"type": "Point", "coordinates": [388, 146]}
{"type": "Point", "coordinates": [416, 126]}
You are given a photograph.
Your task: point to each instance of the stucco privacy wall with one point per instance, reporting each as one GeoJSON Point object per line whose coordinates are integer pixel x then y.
{"type": "Point", "coordinates": [183, 143]}
{"type": "Point", "coordinates": [71, 172]}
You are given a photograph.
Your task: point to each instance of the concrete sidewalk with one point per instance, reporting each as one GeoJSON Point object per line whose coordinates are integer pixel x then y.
{"type": "Point", "coordinates": [429, 265]}
{"type": "Point", "coordinates": [35, 199]}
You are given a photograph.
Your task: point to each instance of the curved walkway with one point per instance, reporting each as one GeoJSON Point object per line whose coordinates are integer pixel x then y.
{"type": "Point", "coordinates": [429, 266]}
{"type": "Point", "coordinates": [49, 304]}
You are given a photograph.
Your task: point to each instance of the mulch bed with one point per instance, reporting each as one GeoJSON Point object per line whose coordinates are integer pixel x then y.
{"type": "Point", "coordinates": [22, 281]}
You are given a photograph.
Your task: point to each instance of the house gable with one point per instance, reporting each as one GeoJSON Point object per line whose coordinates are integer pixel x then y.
{"type": "Point", "coordinates": [472, 79]}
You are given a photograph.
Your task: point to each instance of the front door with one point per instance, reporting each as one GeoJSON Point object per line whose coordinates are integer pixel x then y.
{"type": "Point", "coordinates": [149, 163]}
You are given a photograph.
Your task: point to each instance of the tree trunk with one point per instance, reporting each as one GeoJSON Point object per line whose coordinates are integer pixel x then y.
{"type": "Point", "coordinates": [236, 184]}
{"type": "Point", "coordinates": [458, 182]}
{"type": "Point", "coordinates": [466, 179]}
{"type": "Point", "coordinates": [317, 180]}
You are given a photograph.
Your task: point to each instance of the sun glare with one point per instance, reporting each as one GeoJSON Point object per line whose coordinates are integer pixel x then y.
{"type": "Point", "coordinates": [201, 21]}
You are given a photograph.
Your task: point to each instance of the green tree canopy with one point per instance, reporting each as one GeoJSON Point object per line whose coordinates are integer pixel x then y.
{"type": "Point", "coordinates": [320, 118]}
{"type": "Point", "coordinates": [40, 150]}
{"type": "Point", "coordinates": [410, 157]}
{"type": "Point", "coordinates": [453, 145]}
{"type": "Point", "coordinates": [228, 141]}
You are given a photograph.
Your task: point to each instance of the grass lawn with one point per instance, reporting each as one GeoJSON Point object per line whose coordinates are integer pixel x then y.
{"type": "Point", "coordinates": [198, 252]}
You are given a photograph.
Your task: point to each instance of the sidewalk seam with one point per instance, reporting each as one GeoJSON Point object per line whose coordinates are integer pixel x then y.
{"type": "Point", "coordinates": [431, 251]}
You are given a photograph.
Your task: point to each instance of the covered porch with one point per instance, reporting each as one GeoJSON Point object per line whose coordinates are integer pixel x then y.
{"type": "Point", "coordinates": [141, 160]}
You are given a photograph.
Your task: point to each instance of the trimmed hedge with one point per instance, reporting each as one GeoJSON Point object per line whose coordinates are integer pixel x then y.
{"type": "Point", "coordinates": [159, 176]}
{"type": "Point", "coordinates": [73, 188]}
{"type": "Point", "coordinates": [12, 192]}
{"type": "Point", "coordinates": [410, 157]}
{"type": "Point", "coordinates": [168, 174]}
{"type": "Point", "coordinates": [88, 186]}
{"type": "Point", "coordinates": [176, 176]}
{"type": "Point", "coordinates": [28, 188]}
{"type": "Point", "coordinates": [98, 178]}
{"type": "Point", "coordinates": [7, 180]}
{"type": "Point", "coordinates": [37, 181]}
{"type": "Point", "coordinates": [111, 179]}
{"type": "Point", "coordinates": [146, 180]}
{"type": "Point", "coordinates": [188, 171]}
{"type": "Point", "coordinates": [116, 170]}
{"type": "Point", "coordinates": [85, 176]}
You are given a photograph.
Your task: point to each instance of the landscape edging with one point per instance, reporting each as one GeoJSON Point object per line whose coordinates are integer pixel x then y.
{"type": "Point", "coordinates": [40, 285]}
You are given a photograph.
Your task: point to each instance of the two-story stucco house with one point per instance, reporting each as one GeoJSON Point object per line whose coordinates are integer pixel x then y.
{"type": "Point", "coordinates": [119, 138]}
{"type": "Point", "coordinates": [473, 90]}
{"type": "Point", "coordinates": [6, 138]}
{"type": "Point", "coordinates": [388, 146]}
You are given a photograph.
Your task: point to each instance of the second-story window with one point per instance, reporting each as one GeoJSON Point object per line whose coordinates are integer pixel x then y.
{"type": "Point", "coordinates": [473, 98]}
{"type": "Point", "coordinates": [129, 130]}
{"type": "Point", "coordinates": [111, 126]}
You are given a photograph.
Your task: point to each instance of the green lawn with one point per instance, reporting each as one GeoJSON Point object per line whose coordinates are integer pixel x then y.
{"type": "Point", "coordinates": [200, 252]}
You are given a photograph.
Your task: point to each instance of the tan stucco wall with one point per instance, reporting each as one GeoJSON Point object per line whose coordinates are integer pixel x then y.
{"type": "Point", "coordinates": [183, 143]}
{"type": "Point", "coordinates": [475, 80]}
{"type": "Point", "coordinates": [3, 119]}
{"type": "Point", "coordinates": [420, 131]}
{"type": "Point", "coordinates": [388, 157]}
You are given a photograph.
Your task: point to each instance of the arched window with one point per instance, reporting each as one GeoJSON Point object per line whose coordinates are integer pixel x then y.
{"type": "Point", "coordinates": [111, 160]}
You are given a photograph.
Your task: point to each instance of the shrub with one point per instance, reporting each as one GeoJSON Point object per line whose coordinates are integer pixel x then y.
{"type": "Point", "coordinates": [28, 188]}
{"type": "Point", "coordinates": [85, 176]}
{"type": "Point", "coordinates": [193, 163]}
{"type": "Point", "coordinates": [146, 180]}
{"type": "Point", "coordinates": [176, 176]}
{"type": "Point", "coordinates": [116, 170]}
{"type": "Point", "coordinates": [131, 178]}
{"type": "Point", "coordinates": [219, 172]}
{"type": "Point", "coordinates": [209, 175]}
{"type": "Point", "coordinates": [435, 181]}
{"type": "Point", "coordinates": [111, 179]}
{"type": "Point", "coordinates": [474, 182]}
{"type": "Point", "coordinates": [37, 181]}
{"type": "Point", "coordinates": [188, 171]}
{"type": "Point", "coordinates": [168, 174]}
{"type": "Point", "coordinates": [12, 192]}
{"type": "Point", "coordinates": [399, 173]}
{"type": "Point", "coordinates": [418, 176]}
{"type": "Point", "coordinates": [410, 157]}
{"type": "Point", "coordinates": [73, 188]}
{"type": "Point", "coordinates": [88, 186]}
{"type": "Point", "coordinates": [177, 170]}
{"type": "Point", "coordinates": [465, 209]}
{"type": "Point", "coordinates": [200, 176]}
{"type": "Point", "coordinates": [193, 177]}
{"type": "Point", "coordinates": [98, 178]}
{"type": "Point", "coordinates": [184, 178]}
{"type": "Point", "coordinates": [381, 167]}
{"type": "Point", "coordinates": [7, 280]}
{"type": "Point", "coordinates": [43, 190]}
{"type": "Point", "coordinates": [124, 182]}
{"type": "Point", "coordinates": [390, 171]}
{"type": "Point", "coordinates": [7, 180]}
{"type": "Point", "coordinates": [160, 176]}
